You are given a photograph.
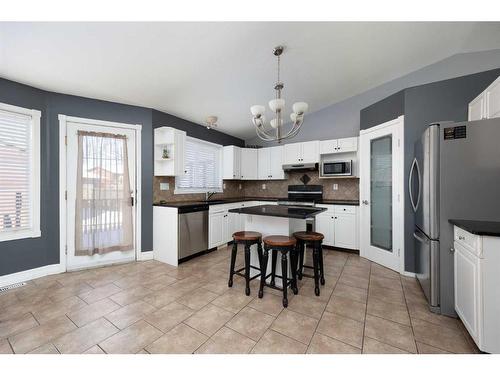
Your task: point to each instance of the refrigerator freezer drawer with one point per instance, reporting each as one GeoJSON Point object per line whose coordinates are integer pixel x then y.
{"type": "Point", "coordinates": [427, 267]}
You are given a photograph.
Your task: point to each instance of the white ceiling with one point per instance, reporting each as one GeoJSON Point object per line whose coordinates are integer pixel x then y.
{"type": "Point", "coordinates": [197, 69]}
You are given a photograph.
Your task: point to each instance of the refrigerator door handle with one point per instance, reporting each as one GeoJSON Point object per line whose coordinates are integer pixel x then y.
{"type": "Point", "coordinates": [410, 184]}
{"type": "Point", "coordinates": [420, 239]}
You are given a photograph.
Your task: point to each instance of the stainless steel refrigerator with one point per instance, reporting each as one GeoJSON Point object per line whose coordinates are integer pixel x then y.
{"type": "Point", "coordinates": [455, 175]}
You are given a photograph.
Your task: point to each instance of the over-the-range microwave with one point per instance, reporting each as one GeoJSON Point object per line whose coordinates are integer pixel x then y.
{"type": "Point", "coordinates": [336, 168]}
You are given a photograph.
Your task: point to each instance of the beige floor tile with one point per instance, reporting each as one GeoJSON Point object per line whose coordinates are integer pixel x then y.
{"type": "Point", "coordinates": [64, 292]}
{"type": "Point", "coordinates": [427, 349]}
{"type": "Point", "coordinates": [440, 337]}
{"type": "Point", "coordinates": [251, 323]}
{"type": "Point", "coordinates": [53, 310]}
{"type": "Point", "coordinates": [180, 340]}
{"type": "Point", "coordinates": [226, 341]}
{"type": "Point", "coordinates": [16, 325]}
{"type": "Point", "coordinates": [391, 311]}
{"type": "Point", "coordinates": [130, 314]}
{"type": "Point", "coordinates": [209, 319]}
{"type": "Point", "coordinates": [387, 295]}
{"type": "Point", "coordinates": [275, 343]}
{"type": "Point", "coordinates": [378, 270]}
{"type": "Point", "coordinates": [233, 300]}
{"type": "Point", "coordinates": [44, 333]}
{"type": "Point", "coordinates": [371, 346]}
{"type": "Point", "coordinates": [355, 281]}
{"type": "Point", "coordinates": [310, 306]}
{"type": "Point", "coordinates": [198, 298]}
{"type": "Point", "coordinates": [218, 286]}
{"type": "Point", "coordinates": [296, 326]}
{"type": "Point", "coordinates": [132, 339]}
{"type": "Point", "coordinates": [159, 282]}
{"type": "Point", "coordinates": [100, 293]}
{"type": "Point", "coordinates": [8, 299]}
{"type": "Point", "coordinates": [347, 307]}
{"type": "Point", "coordinates": [83, 338]}
{"type": "Point", "coordinates": [163, 296]}
{"type": "Point", "coordinates": [321, 344]}
{"type": "Point", "coordinates": [93, 312]}
{"type": "Point", "coordinates": [384, 282]}
{"type": "Point", "coordinates": [341, 328]}
{"type": "Point", "coordinates": [269, 303]}
{"type": "Point", "coordinates": [422, 312]}
{"type": "Point", "coordinates": [45, 349]}
{"type": "Point", "coordinates": [94, 350]}
{"type": "Point", "coordinates": [357, 261]}
{"type": "Point", "coordinates": [357, 271]}
{"type": "Point", "coordinates": [169, 316]}
{"type": "Point", "coordinates": [5, 347]}
{"type": "Point", "coordinates": [128, 296]}
{"type": "Point", "coordinates": [347, 291]}
{"type": "Point", "coordinates": [308, 290]}
{"type": "Point", "coordinates": [106, 277]}
{"type": "Point", "coordinates": [391, 333]}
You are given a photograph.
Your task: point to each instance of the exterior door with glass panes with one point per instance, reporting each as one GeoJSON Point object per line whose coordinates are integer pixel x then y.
{"type": "Point", "coordinates": [381, 184]}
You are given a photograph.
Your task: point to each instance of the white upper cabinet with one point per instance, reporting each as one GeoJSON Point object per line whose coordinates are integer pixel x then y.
{"type": "Point", "coordinates": [249, 164]}
{"type": "Point", "coordinates": [169, 151]}
{"type": "Point", "coordinates": [231, 163]}
{"type": "Point", "coordinates": [303, 152]}
{"type": "Point", "coordinates": [334, 146]}
{"type": "Point", "coordinates": [270, 163]}
{"type": "Point", "coordinates": [487, 104]}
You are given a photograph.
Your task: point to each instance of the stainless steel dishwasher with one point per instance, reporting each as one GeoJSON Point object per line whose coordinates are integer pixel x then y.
{"type": "Point", "coordinates": [193, 230]}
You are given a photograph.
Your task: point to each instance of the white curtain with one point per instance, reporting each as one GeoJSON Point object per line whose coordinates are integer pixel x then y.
{"type": "Point", "coordinates": [103, 217]}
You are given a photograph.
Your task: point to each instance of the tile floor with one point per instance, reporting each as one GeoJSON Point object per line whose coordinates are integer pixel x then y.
{"type": "Point", "coordinates": [150, 307]}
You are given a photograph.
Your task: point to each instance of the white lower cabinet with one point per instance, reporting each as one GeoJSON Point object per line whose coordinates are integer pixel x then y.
{"type": "Point", "coordinates": [476, 281]}
{"type": "Point", "coordinates": [215, 228]}
{"type": "Point", "coordinates": [339, 225]}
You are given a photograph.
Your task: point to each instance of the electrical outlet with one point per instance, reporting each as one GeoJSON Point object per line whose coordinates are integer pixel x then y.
{"type": "Point", "coordinates": [263, 186]}
{"type": "Point", "coordinates": [240, 187]}
{"type": "Point", "coordinates": [224, 186]}
{"type": "Point", "coordinates": [164, 186]}
{"type": "Point", "coordinates": [335, 186]}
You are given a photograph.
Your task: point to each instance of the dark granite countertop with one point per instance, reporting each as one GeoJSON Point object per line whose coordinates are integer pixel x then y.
{"type": "Point", "coordinates": [481, 228]}
{"type": "Point", "coordinates": [246, 199]}
{"type": "Point", "coordinates": [280, 211]}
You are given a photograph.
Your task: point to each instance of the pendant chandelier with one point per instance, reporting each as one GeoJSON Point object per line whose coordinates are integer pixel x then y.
{"type": "Point", "coordinates": [274, 131]}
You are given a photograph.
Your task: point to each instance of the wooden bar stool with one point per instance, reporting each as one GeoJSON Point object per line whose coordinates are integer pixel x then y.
{"type": "Point", "coordinates": [314, 239]}
{"type": "Point", "coordinates": [285, 245]}
{"type": "Point", "coordinates": [248, 239]}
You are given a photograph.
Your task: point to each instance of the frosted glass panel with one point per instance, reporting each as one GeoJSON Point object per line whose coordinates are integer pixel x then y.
{"type": "Point", "coordinates": [381, 192]}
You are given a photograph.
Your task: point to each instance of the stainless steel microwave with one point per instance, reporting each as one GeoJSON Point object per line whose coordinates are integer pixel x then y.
{"type": "Point", "coordinates": [336, 168]}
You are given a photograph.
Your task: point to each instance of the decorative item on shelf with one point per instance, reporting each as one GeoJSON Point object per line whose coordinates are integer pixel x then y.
{"type": "Point", "coordinates": [277, 105]}
{"type": "Point", "coordinates": [305, 179]}
{"type": "Point", "coordinates": [165, 154]}
{"type": "Point", "coordinates": [211, 122]}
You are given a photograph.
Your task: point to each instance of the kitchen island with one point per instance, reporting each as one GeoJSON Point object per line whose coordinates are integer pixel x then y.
{"type": "Point", "coordinates": [275, 220]}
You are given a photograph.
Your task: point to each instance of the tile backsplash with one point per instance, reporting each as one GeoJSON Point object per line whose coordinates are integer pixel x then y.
{"type": "Point", "coordinates": [348, 188]}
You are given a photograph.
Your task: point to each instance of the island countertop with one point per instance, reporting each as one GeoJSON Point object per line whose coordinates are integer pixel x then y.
{"type": "Point", "coordinates": [280, 211]}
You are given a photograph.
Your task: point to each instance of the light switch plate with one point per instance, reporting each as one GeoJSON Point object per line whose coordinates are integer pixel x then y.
{"type": "Point", "coordinates": [164, 186]}
{"type": "Point", "coordinates": [335, 186]}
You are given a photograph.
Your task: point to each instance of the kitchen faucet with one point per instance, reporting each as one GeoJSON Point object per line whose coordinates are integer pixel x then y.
{"type": "Point", "coordinates": [209, 194]}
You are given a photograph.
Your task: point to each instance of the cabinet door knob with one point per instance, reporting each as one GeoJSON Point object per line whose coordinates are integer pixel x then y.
{"type": "Point", "coordinates": [462, 238]}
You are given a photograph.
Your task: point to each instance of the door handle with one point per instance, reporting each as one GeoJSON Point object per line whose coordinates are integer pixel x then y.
{"type": "Point", "coordinates": [410, 184]}
{"type": "Point", "coordinates": [420, 239]}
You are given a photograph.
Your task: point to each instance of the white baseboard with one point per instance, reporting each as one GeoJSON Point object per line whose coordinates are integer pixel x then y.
{"type": "Point", "coordinates": [34, 273]}
{"type": "Point", "coordinates": [145, 255]}
{"type": "Point", "coordinates": [409, 274]}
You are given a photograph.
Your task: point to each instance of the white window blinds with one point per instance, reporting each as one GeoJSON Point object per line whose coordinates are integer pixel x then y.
{"type": "Point", "coordinates": [19, 173]}
{"type": "Point", "coordinates": [203, 167]}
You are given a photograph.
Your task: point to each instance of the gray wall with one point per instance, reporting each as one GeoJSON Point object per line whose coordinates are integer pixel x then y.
{"type": "Point", "coordinates": [343, 119]}
{"type": "Point", "coordinates": [20, 255]}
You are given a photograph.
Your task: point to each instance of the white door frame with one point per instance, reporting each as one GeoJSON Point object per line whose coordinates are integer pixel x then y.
{"type": "Point", "coordinates": [398, 187]}
{"type": "Point", "coordinates": [63, 119]}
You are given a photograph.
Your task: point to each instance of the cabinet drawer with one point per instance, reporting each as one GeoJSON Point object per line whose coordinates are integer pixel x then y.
{"type": "Point", "coordinates": [344, 209]}
{"type": "Point", "coordinates": [469, 241]}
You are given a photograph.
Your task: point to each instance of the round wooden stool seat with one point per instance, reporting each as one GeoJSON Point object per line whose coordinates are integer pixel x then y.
{"type": "Point", "coordinates": [279, 241]}
{"type": "Point", "coordinates": [247, 236]}
{"type": "Point", "coordinates": [309, 236]}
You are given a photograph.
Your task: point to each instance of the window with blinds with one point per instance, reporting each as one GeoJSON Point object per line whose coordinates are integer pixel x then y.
{"type": "Point", "coordinates": [203, 164]}
{"type": "Point", "coordinates": [19, 173]}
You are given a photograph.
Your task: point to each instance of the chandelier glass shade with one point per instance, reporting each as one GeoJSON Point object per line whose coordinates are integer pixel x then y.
{"type": "Point", "coordinates": [274, 130]}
